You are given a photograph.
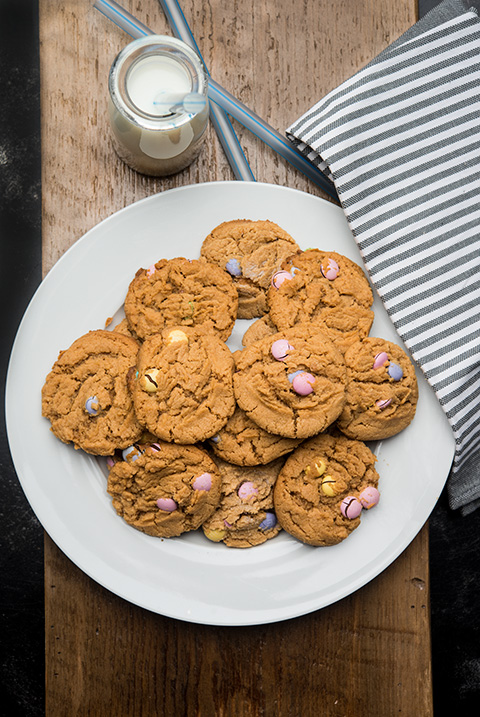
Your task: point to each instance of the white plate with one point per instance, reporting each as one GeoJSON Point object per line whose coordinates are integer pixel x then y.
{"type": "Point", "coordinates": [189, 577]}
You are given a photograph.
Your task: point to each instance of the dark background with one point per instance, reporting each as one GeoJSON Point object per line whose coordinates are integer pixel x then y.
{"type": "Point", "coordinates": [454, 541]}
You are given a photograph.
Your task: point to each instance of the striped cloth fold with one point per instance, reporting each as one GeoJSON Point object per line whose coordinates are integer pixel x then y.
{"type": "Point", "coordinates": [401, 142]}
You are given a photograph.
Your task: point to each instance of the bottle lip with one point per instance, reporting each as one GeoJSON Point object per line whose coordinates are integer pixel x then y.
{"type": "Point", "coordinates": [152, 45]}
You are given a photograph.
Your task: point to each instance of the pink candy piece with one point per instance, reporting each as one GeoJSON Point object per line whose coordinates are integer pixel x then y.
{"type": "Point", "coordinates": [110, 462]}
{"type": "Point", "coordinates": [167, 504]}
{"type": "Point", "coordinates": [369, 497]}
{"type": "Point", "coordinates": [351, 507]}
{"type": "Point", "coordinates": [380, 360]}
{"type": "Point", "coordinates": [330, 272]}
{"type": "Point", "coordinates": [381, 404]}
{"type": "Point", "coordinates": [151, 270]}
{"type": "Point", "coordinates": [303, 383]}
{"type": "Point", "coordinates": [279, 277]}
{"type": "Point", "coordinates": [280, 349]}
{"type": "Point", "coordinates": [203, 482]}
{"type": "Point", "coordinates": [247, 490]}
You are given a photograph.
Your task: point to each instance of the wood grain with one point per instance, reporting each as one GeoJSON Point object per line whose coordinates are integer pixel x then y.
{"type": "Point", "coordinates": [368, 654]}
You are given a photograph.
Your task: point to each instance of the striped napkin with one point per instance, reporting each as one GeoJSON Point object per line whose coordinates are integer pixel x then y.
{"type": "Point", "coordinates": [401, 142]}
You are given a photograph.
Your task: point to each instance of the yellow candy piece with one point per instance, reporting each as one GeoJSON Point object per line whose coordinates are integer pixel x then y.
{"type": "Point", "coordinates": [216, 535]}
{"type": "Point", "coordinates": [328, 486]}
{"type": "Point", "coordinates": [320, 468]}
{"type": "Point", "coordinates": [149, 380]}
{"type": "Point", "coordinates": [176, 335]}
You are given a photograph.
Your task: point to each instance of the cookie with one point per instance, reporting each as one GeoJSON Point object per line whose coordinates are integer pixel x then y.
{"type": "Point", "coordinates": [338, 271]}
{"type": "Point", "coordinates": [245, 515]}
{"type": "Point", "coordinates": [323, 488]}
{"type": "Point", "coordinates": [183, 392]}
{"type": "Point", "coordinates": [86, 395]}
{"type": "Point", "coordinates": [258, 330]}
{"type": "Point", "coordinates": [244, 443]}
{"type": "Point", "coordinates": [382, 390]}
{"type": "Point", "coordinates": [291, 384]}
{"type": "Point", "coordinates": [251, 251]}
{"type": "Point", "coordinates": [181, 292]}
{"type": "Point", "coordinates": [167, 490]}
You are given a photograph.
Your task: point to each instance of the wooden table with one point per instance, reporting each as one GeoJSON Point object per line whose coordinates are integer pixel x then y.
{"type": "Point", "coordinates": [368, 654]}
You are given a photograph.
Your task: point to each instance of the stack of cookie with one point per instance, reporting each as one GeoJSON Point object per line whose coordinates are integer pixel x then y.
{"type": "Point", "coordinates": [240, 444]}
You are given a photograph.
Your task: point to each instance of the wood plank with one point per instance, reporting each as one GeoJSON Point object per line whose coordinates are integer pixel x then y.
{"type": "Point", "coordinates": [367, 654]}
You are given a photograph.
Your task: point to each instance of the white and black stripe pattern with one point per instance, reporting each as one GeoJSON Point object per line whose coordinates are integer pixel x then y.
{"type": "Point", "coordinates": [401, 141]}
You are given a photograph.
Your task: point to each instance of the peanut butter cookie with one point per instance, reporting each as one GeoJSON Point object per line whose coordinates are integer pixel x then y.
{"type": "Point", "coordinates": [291, 384]}
{"type": "Point", "coordinates": [251, 251]}
{"type": "Point", "coordinates": [167, 490]}
{"type": "Point", "coordinates": [323, 488]}
{"type": "Point", "coordinates": [183, 391]}
{"type": "Point", "coordinates": [86, 395]}
{"type": "Point", "coordinates": [181, 292]}
{"type": "Point", "coordinates": [382, 390]}
{"type": "Point", "coordinates": [245, 515]}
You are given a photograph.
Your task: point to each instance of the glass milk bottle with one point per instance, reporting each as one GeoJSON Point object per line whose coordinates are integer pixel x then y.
{"type": "Point", "coordinates": [158, 105]}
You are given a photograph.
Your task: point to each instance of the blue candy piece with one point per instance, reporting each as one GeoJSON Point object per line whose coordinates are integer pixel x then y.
{"type": "Point", "coordinates": [233, 267]}
{"type": "Point", "coordinates": [132, 453]}
{"type": "Point", "coordinates": [215, 439]}
{"type": "Point", "coordinates": [269, 521]}
{"type": "Point", "coordinates": [395, 371]}
{"type": "Point", "coordinates": [89, 405]}
{"type": "Point", "coordinates": [291, 376]}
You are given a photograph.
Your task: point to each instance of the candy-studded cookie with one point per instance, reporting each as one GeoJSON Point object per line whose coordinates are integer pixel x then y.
{"type": "Point", "coordinates": [86, 395]}
{"type": "Point", "coordinates": [258, 330]}
{"type": "Point", "coordinates": [166, 490]}
{"type": "Point", "coordinates": [181, 292]}
{"type": "Point", "coordinates": [311, 282]}
{"type": "Point", "coordinates": [292, 383]}
{"type": "Point", "coordinates": [183, 390]}
{"type": "Point", "coordinates": [382, 390]}
{"type": "Point", "coordinates": [323, 488]}
{"type": "Point", "coordinates": [251, 251]}
{"type": "Point", "coordinates": [244, 443]}
{"type": "Point", "coordinates": [245, 516]}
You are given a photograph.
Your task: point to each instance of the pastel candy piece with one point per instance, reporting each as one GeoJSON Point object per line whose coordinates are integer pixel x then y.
{"type": "Point", "coordinates": [280, 349]}
{"type": "Point", "coordinates": [351, 507]}
{"type": "Point", "coordinates": [151, 270]}
{"type": "Point", "coordinates": [215, 534]}
{"type": "Point", "coordinates": [233, 267]}
{"type": "Point", "coordinates": [328, 486]}
{"type": "Point", "coordinates": [215, 439]}
{"type": "Point", "coordinates": [330, 270]}
{"type": "Point", "coordinates": [149, 380]}
{"type": "Point", "coordinates": [293, 270]}
{"type": "Point", "coordinates": [269, 521]}
{"type": "Point", "coordinates": [247, 490]}
{"type": "Point", "coordinates": [132, 453]}
{"type": "Point", "coordinates": [175, 336]}
{"type": "Point", "coordinates": [380, 360]}
{"type": "Point", "coordinates": [110, 462]}
{"type": "Point", "coordinates": [92, 406]}
{"type": "Point", "coordinates": [320, 468]}
{"type": "Point", "coordinates": [383, 403]}
{"type": "Point", "coordinates": [227, 524]}
{"type": "Point", "coordinates": [369, 497]}
{"type": "Point", "coordinates": [395, 371]}
{"type": "Point", "coordinates": [303, 383]}
{"type": "Point", "coordinates": [167, 504]}
{"type": "Point", "coordinates": [279, 277]}
{"type": "Point", "coordinates": [203, 482]}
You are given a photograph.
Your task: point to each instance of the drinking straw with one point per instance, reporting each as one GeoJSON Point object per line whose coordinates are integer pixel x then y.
{"type": "Point", "coordinates": [220, 120]}
{"type": "Point", "coordinates": [229, 104]}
